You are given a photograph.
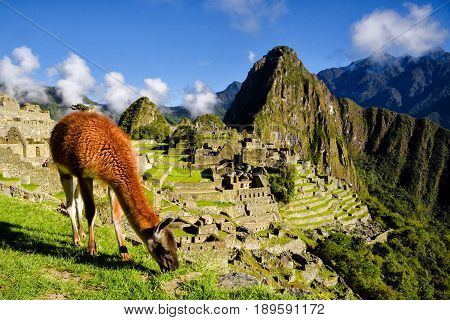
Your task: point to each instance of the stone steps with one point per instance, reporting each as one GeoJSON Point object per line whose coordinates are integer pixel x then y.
{"type": "Point", "coordinates": [316, 217]}
{"type": "Point", "coordinates": [347, 197]}
{"type": "Point", "coordinates": [339, 193]}
{"type": "Point", "coordinates": [349, 220]}
{"type": "Point", "coordinates": [322, 207]}
{"type": "Point", "coordinates": [346, 206]}
{"type": "Point", "coordinates": [305, 186]}
{"type": "Point", "coordinates": [315, 225]}
{"type": "Point", "coordinates": [308, 202]}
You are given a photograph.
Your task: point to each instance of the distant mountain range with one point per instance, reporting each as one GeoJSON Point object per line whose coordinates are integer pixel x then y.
{"type": "Point", "coordinates": [226, 98]}
{"type": "Point", "coordinates": [172, 114]}
{"type": "Point", "coordinates": [418, 86]}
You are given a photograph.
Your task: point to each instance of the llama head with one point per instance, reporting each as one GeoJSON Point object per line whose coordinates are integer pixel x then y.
{"type": "Point", "coordinates": [161, 244]}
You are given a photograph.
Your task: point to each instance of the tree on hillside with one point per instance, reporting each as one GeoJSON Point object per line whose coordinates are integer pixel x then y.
{"type": "Point", "coordinates": [282, 184]}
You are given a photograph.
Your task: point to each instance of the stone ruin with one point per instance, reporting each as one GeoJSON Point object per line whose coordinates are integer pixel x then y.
{"type": "Point", "coordinates": [24, 144]}
{"type": "Point", "coordinates": [25, 130]}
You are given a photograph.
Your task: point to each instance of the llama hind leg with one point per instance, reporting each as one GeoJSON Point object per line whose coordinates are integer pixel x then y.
{"type": "Point", "coordinates": [117, 218]}
{"type": "Point", "coordinates": [67, 184]}
{"type": "Point", "coordinates": [79, 206]}
{"type": "Point", "coordinates": [87, 193]}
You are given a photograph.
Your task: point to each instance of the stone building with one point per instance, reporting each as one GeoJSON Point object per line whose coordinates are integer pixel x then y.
{"type": "Point", "coordinates": [25, 130]}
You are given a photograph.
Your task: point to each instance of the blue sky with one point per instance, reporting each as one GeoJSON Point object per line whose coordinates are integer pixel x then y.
{"type": "Point", "coordinates": [181, 41]}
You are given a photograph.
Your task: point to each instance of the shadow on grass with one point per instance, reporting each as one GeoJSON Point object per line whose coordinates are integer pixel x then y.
{"type": "Point", "coordinates": [18, 238]}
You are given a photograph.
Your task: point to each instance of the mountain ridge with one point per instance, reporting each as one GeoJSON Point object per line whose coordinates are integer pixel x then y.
{"type": "Point", "coordinates": [418, 86]}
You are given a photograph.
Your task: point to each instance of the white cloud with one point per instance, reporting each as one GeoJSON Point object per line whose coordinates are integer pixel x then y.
{"type": "Point", "coordinates": [76, 79]}
{"type": "Point", "coordinates": [15, 75]}
{"type": "Point", "coordinates": [248, 15]}
{"type": "Point", "coordinates": [157, 90]}
{"type": "Point", "coordinates": [376, 29]}
{"type": "Point", "coordinates": [119, 95]}
{"type": "Point", "coordinates": [200, 100]}
{"type": "Point", "coordinates": [251, 56]}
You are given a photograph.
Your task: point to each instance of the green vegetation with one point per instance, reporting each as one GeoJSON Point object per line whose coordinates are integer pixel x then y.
{"type": "Point", "coordinates": [40, 262]}
{"type": "Point", "coordinates": [30, 187]}
{"type": "Point", "coordinates": [154, 131]}
{"type": "Point", "coordinates": [209, 121]}
{"type": "Point", "coordinates": [150, 195]}
{"type": "Point", "coordinates": [157, 171]}
{"type": "Point", "coordinates": [142, 120]}
{"type": "Point", "coordinates": [414, 263]}
{"type": "Point", "coordinates": [282, 185]}
{"type": "Point", "coordinates": [184, 175]}
{"type": "Point", "coordinates": [3, 179]}
{"type": "Point", "coordinates": [60, 195]}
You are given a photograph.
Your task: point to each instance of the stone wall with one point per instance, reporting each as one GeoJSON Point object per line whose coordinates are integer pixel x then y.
{"type": "Point", "coordinates": [262, 210]}
{"type": "Point", "coordinates": [254, 156]}
{"type": "Point", "coordinates": [46, 177]}
{"type": "Point", "coordinates": [16, 191]}
{"type": "Point", "coordinates": [209, 185]}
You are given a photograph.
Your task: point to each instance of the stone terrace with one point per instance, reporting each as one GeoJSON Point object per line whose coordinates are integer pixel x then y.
{"type": "Point", "coordinates": [322, 200]}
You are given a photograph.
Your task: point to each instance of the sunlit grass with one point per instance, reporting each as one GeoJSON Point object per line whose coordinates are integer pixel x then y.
{"type": "Point", "coordinates": [39, 261]}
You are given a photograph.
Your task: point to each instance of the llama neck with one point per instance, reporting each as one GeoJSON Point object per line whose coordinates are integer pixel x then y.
{"type": "Point", "coordinates": [134, 203]}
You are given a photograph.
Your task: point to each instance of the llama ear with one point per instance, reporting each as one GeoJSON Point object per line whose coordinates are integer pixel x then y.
{"type": "Point", "coordinates": [160, 227]}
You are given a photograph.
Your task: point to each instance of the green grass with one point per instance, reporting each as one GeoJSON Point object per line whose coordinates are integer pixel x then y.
{"type": "Point", "coordinates": [30, 187]}
{"type": "Point", "coordinates": [39, 261]}
{"type": "Point", "coordinates": [171, 208]}
{"type": "Point", "coordinates": [184, 175]}
{"type": "Point", "coordinates": [60, 195]}
{"type": "Point", "coordinates": [3, 179]}
{"type": "Point", "coordinates": [158, 171]}
{"type": "Point", "coordinates": [150, 195]}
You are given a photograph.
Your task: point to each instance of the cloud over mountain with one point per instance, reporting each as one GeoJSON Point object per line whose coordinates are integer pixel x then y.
{"type": "Point", "coordinates": [75, 79]}
{"type": "Point", "coordinates": [200, 100]}
{"type": "Point", "coordinates": [376, 29]}
{"type": "Point", "coordinates": [119, 95]}
{"type": "Point", "coordinates": [16, 75]}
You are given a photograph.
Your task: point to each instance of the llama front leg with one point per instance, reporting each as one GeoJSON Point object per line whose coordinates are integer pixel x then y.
{"type": "Point", "coordinates": [116, 211]}
{"type": "Point", "coordinates": [79, 207]}
{"type": "Point", "coordinates": [67, 184]}
{"type": "Point", "coordinates": [87, 193]}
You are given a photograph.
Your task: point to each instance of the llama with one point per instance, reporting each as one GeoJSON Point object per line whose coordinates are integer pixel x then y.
{"type": "Point", "coordinates": [89, 146]}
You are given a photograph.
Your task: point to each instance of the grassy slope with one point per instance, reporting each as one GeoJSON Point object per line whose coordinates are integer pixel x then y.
{"type": "Point", "coordinates": [39, 262]}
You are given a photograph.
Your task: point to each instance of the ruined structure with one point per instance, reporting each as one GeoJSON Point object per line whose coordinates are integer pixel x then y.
{"type": "Point", "coordinates": [24, 149]}
{"type": "Point", "coordinates": [25, 131]}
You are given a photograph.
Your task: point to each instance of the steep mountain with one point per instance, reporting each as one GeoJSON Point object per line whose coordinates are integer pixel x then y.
{"type": "Point", "coordinates": [419, 86]}
{"type": "Point", "coordinates": [143, 120]}
{"type": "Point", "coordinates": [226, 98]}
{"type": "Point", "coordinates": [288, 106]}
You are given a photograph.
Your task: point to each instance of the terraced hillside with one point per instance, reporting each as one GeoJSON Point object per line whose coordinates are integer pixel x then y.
{"type": "Point", "coordinates": [322, 200]}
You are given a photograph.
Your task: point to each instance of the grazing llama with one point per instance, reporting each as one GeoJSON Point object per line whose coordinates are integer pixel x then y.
{"type": "Point", "coordinates": [90, 146]}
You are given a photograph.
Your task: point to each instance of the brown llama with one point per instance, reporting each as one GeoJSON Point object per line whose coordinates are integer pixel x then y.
{"type": "Point", "coordinates": [90, 146]}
